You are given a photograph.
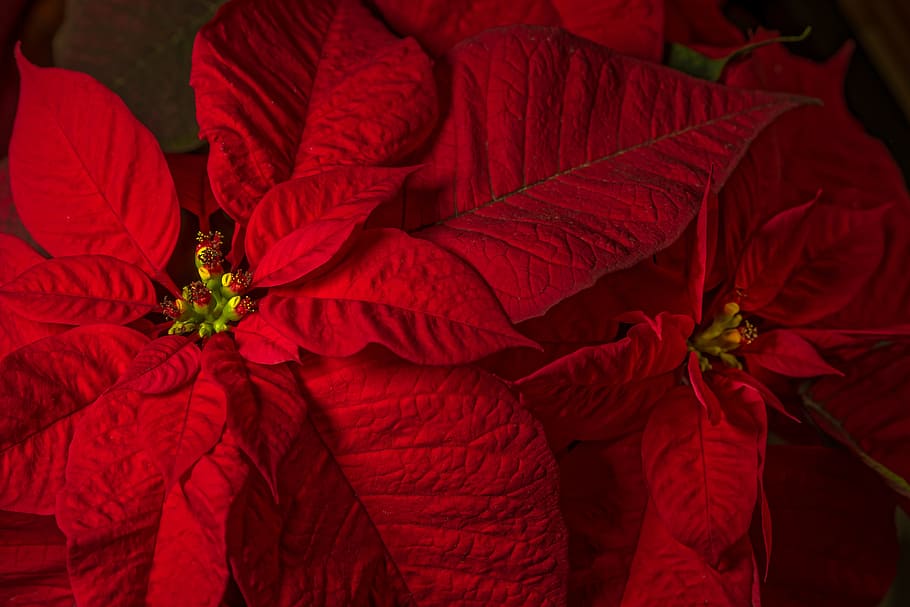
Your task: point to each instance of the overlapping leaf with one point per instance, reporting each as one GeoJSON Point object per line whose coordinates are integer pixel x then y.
{"type": "Point", "coordinates": [842, 249]}
{"type": "Point", "coordinates": [47, 386]}
{"type": "Point", "coordinates": [162, 365]}
{"type": "Point", "coordinates": [32, 561]}
{"type": "Point", "coordinates": [294, 88]}
{"type": "Point", "coordinates": [80, 290]}
{"type": "Point", "coordinates": [344, 196]}
{"type": "Point", "coordinates": [85, 173]}
{"type": "Point", "coordinates": [665, 572]}
{"type": "Point", "coordinates": [409, 295]}
{"type": "Point", "coordinates": [605, 391]}
{"type": "Point", "coordinates": [440, 491]}
{"type": "Point", "coordinates": [129, 541]}
{"type": "Point", "coordinates": [265, 406]}
{"type": "Point", "coordinates": [178, 427]}
{"type": "Point", "coordinates": [260, 342]}
{"type": "Point", "coordinates": [703, 477]}
{"type": "Point", "coordinates": [16, 330]}
{"type": "Point", "coordinates": [551, 170]}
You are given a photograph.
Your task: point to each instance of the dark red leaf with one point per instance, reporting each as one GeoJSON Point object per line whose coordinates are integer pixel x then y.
{"type": "Point", "coordinates": [115, 512]}
{"type": "Point", "coordinates": [835, 541]}
{"type": "Point", "coordinates": [529, 153]}
{"type": "Point", "coordinates": [441, 490]}
{"type": "Point", "coordinates": [633, 28]}
{"type": "Point", "coordinates": [47, 386]}
{"type": "Point", "coordinates": [260, 342]}
{"type": "Point", "coordinates": [162, 365]}
{"type": "Point", "coordinates": [665, 572]}
{"type": "Point", "coordinates": [606, 391]}
{"type": "Point", "coordinates": [191, 181]}
{"type": "Point", "coordinates": [178, 427]}
{"type": "Point", "coordinates": [265, 406]}
{"type": "Point", "coordinates": [345, 194]}
{"type": "Point", "coordinates": [700, 22]}
{"type": "Point", "coordinates": [81, 290]}
{"type": "Point", "coordinates": [603, 497]}
{"type": "Point", "coordinates": [842, 249]}
{"type": "Point", "coordinates": [409, 295]}
{"type": "Point", "coordinates": [87, 177]}
{"type": "Point", "coordinates": [303, 86]}
{"type": "Point", "coordinates": [787, 353]}
{"type": "Point", "coordinates": [764, 265]}
{"type": "Point", "coordinates": [33, 562]}
{"type": "Point", "coordinates": [866, 410]}
{"type": "Point", "coordinates": [704, 477]}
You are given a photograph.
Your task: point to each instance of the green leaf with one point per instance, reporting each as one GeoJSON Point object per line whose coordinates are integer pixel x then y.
{"type": "Point", "coordinates": [697, 64]}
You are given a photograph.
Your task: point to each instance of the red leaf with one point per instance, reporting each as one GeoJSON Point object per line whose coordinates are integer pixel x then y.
{"type": "Point", "coordinates": [665, 572]}
{"type": "Point", "coordinates": [530, 150]}
{"type": "Point", "coordinates": [260, 342]}
{"type": "Point", "coordinates": [333, 81]}
{"type": "Point", "coordinates": [114, 511]}
{"type": "Point", "coordinates": [835, 543]}
{"type": "Point", "coordinates": [162, 365]}
{"type": "Point", "coordinates": [178, 427]}
{"type": "Point", "coordinates": [349, 194]}
{"type": "Point", "coordinates": [86, 175]}
{"type": "Point", "coordinates": [16, 256]}
{"type": "Point", "coordinates": [606, 391]}
{"type": "Point", "coordinates": [33, 562]}
{"type": "Point", "coordinates": [81, 290]}
{"type": "Point", "coordinates": [408, 295]}
{"type": "Point", "coordinates": [191, 182]}
{"type": "Point", "coordinates": [787, 353]}
{"type": "Point", "coordinates": [47, 385]}
{"type": "Point", "coordinates": [704, 477]}
{"type": "Point", "coordinates": [633, 28]}
{"type": "Point", "coordinates": [441, 487]}
{"type": "Point", "coordinates": [264, 405]}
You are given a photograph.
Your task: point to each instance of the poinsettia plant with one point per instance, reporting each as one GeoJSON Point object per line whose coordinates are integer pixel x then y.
{"type": "Point", "coordinates": [464, 304]}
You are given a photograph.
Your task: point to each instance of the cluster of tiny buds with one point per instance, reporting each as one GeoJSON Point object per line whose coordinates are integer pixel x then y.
{"type": "Point", "coordinates": [208, 305]}
{"type": "Point", "coordinates": [726, 333]}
